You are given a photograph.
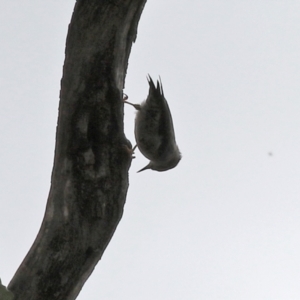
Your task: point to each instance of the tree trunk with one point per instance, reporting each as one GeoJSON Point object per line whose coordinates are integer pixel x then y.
{"type": "Point", "coordinates": [90, 173]}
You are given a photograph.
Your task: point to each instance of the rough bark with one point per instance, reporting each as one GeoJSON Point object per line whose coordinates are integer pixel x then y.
{"type": "Point", "coordinates": [90, 173]}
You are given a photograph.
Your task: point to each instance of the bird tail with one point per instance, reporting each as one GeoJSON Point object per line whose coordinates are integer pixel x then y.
{"type": "Point", "coordinates": [158, 90]}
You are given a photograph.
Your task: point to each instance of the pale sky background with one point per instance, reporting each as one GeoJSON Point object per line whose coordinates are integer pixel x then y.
{"type": "Point", "coordinates": [224, 224]}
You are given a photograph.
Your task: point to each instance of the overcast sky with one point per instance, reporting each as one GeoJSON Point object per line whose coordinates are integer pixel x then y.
{"type": "Point", "coordinates": [225, 223]}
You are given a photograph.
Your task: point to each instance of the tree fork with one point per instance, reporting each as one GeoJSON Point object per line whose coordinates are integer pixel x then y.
{"type": "Point", "coordinates": [90, 174]}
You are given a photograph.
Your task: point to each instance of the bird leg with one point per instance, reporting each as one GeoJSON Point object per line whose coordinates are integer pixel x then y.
{"type": "Point", "coordinates": [136, 106]}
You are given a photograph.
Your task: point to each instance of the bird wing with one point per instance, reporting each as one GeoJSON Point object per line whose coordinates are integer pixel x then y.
{"type": "Point", "coordinates": [158, 136]}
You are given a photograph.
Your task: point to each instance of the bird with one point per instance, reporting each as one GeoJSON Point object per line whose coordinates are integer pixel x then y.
{"type": "Point", "coordinates": [154, 130]}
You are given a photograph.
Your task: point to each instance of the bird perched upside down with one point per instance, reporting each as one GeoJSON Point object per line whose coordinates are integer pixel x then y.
{"type": "Point", "coordinates": [154, 131]}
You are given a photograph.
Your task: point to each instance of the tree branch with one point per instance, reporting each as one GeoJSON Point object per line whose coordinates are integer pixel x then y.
{"type": "Point", "coordinates": [90, 173]}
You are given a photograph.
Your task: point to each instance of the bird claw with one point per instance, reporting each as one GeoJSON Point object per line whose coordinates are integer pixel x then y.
{"type": "Point", "coordinates": [125, 97]}
{"type": "Point", "coordinates": [130, 151]}
{"type": "Point", "coordinates": [136, 106]}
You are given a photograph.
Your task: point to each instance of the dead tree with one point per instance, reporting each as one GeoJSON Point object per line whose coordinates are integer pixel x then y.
{"type": "Point", "coordinates": [90, 173]}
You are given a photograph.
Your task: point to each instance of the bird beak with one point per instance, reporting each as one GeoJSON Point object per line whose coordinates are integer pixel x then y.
{"type": "Point", "coordinates": [145, 168]}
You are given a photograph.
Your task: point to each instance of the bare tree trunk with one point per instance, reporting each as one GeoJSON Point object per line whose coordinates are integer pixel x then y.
{"type": "Point", "coordinates": [90, 174]}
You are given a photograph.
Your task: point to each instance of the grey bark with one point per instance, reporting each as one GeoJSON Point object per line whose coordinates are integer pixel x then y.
{"type": "Point", "coordinates": [90, 173]}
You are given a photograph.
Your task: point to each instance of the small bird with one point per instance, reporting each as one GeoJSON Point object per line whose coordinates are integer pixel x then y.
{"type": "Point", "coordinates": [154, 131]}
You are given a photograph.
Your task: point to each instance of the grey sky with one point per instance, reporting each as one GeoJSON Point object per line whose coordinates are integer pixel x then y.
{"type": "Point", "coordinates": [225, 223]}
